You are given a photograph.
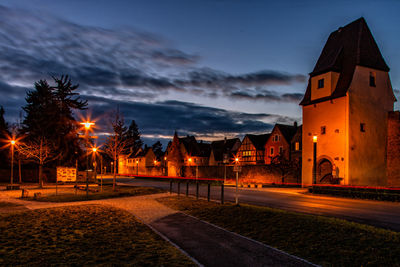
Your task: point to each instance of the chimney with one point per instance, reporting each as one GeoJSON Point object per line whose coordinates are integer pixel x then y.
{"type": "Point", "coordinates": [225, 140]}
{"type": "Point", "coordinates": [295, 124]}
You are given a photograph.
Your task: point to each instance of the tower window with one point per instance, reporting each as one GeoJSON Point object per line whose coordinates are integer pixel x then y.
{"type": "Point", "coordinates": [272, 151]}
{"type": "Point", "coordinates": [362, 127]}
{"type": "Point", "coordinates": [297, 146]}
{"type": "Point", "coordinates": [372, 77]}
{"type": "Point", "coordinates": [320, 83]}
{"type": "Point", "coordinates": [323, 129]}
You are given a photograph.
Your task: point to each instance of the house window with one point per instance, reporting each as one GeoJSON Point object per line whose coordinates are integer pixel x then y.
{"type": "Point", "coordinates": [277, 138]}
{"type": "Point", "coordinates": [271, 152]}
{"type": "Point", "coordinates": [372, 77]}
{"type": "Point", "coordinates": [362, 127]}
{"type": "Point", "coordinates": [323, 129]}
{"type": "Point", "coordinates": [320, 83]}
{"type": "Point", "coordinates": [297, 146]}
{"type": "Point", "coordinates": [280, 149]}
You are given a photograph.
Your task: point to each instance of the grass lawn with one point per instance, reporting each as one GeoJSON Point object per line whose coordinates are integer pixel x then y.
{"type": "Point", "coordinates": [81, 236]}
{"type": "Point", "coordinates": [69, 194]}
{"type": "Point", "coordinates": [321, 240]}
{"type": "Point", "coordinates": [6, 207]}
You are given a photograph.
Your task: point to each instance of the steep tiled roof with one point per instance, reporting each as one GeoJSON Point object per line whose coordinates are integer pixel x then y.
{"type": "Point", "coordinates": [258, 140]}
{"type": "Point", "coordinates": [288, 131]}
{"type": "Point", "coordinates": [194, 148]}
{"type": "Point", "coordinates": [221, 147]}
{"type": "Point", "coordinates": [349, 46]}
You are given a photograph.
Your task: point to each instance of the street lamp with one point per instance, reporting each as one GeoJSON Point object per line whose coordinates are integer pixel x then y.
{"type": "Point", "coordinates": [137, 167]}
{"type": "Point", "coordinates": [315, 139]}
{"type": "Point", "coordinates": [237, 180]}
{"type": "Point", "coordinates": [12, 142]}
{"type": "Point", "coordinates": [94, 150]}
{"type": "Point", "coordinates": [87, 125]}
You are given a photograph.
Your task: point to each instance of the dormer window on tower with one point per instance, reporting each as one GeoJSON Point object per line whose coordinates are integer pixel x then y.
{"type": "Point", "coordinates": [372, 78]}
{"type": "Point", "coordinates": [321, 83]}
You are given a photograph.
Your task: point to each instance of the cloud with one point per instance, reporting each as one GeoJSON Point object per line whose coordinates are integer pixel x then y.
{"type": "Point", "coordinates": [163, 118]}
{"type": "Point", "coordinates": [123, 61]}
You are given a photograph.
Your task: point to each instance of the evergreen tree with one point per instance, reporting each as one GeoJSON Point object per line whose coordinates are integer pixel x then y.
{"type": "Point", "coordinates": [133, 135]}
{"type": "Point", "coordinates": [40, 112]}
{"type": "Point", "coordinates": [67, 141]}
{"type": "Point", "coordinates": [4, 133]}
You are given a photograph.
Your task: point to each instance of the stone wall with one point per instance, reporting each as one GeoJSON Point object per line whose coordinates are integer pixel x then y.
{"type": "Point", "coordinates": [252, 174]}
{"type": "Point", "coordinates": [393, 149]}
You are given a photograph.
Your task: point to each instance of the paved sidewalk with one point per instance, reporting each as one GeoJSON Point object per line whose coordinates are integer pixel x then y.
{"type": "Point", "coordinates": [206, 243]}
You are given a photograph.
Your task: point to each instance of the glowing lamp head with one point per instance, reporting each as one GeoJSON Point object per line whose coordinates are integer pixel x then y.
{"type": "Point", "coordinates": [315, 138]}
{"type": "Point", "coordinates": [237, 159]}
{"type": "Point", "coordinates": [13, 142]}
{"type": "Point", "coordinates": [190, 159]}
{"type": "Point", "coordinates": [94, 149]}
{"type": "Point", "coordinates": [87, 124]}
{"type": "Point", "coordinates": [155, 162]}
{"type": "Point", "coordinates": [137, 162]}
{"type": "Point", "coordinates": [165, 158]}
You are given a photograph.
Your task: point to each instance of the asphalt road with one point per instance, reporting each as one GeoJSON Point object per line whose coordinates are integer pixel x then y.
{"type": "Point", "coordinates": [378, 213]}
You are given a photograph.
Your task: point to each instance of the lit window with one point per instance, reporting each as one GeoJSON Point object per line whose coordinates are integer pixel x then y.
{"type": "Point", "coordinates": [362, 127]}
{"type": "Point", "coordinates": [320, 83]}
{"type": "Point", "coordinates": [372, 77]}
{"type": "Point", "coordinates": [323, 129]}
{"type": "Point", "coordinates": [271, 152]}
{"type": "Point", "coordinates": [297, 146]}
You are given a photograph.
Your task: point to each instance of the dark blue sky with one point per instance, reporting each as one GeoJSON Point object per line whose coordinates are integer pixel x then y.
{"type": "Point", "coordinates": [210, 68]}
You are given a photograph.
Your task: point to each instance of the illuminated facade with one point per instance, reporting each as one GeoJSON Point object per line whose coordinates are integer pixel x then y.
{"type": "Point", "coordinates": [251, 151]}
{"type": "Point", "coordinates": [346, 106]}
{"type": "Point", "coordinates": [278, 143]}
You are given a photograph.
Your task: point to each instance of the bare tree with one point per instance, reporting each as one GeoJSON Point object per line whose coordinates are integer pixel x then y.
{"type": "Point", "coordinates": [39, 151]}
{"type": "Point", "coordinates": [117, 143]}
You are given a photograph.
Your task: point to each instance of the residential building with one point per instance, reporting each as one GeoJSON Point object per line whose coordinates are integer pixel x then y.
{"type": "Point", "coordinates": [251, 150]}
{"type": "Point", "coordinates": [186, 151]}
{"type": "Point", "coordinates": [223, 151]}
{"type": "Point", "coordinates": [278, 144]}
{"type": "Point", "coordinates": [296, 145]}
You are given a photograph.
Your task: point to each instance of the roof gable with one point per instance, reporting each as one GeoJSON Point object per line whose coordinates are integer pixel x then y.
{"type": "Point", "coordinates": [258, 140]}
{"type": "Point", "coordinates": [349, 46]}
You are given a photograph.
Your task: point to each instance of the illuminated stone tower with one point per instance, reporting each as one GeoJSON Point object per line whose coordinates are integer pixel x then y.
{"type": "Point", "coordinates": [346, 106]}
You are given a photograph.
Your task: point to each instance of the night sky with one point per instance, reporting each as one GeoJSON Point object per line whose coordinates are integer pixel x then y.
{"type": "Point", "coordinates": [207, 68]}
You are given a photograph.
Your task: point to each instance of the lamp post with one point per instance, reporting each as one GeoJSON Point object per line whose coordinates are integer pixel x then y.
{"type": "Point", "coordinates": [237, 181]}
{"type": "Point", "coordinates": [315, 139]}
{"type": "Point", "coordinates": [12, 161]}
{"type": "Point", "coordinates": [94, 150]}
{"type": "Point", "coordinates": [87, 125]}
{"type": "Point", "coordinates": [165, 166]}
{"type": "Point", "coordinates": [137, 167]}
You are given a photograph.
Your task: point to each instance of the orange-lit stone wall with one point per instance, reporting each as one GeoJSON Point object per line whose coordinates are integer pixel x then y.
{"type": "Point", "coordinates": [369, 105]}
{"type": "Point", "coordinates": [332, 145]}
{"type": "Point", "coordinates": [393, 150]}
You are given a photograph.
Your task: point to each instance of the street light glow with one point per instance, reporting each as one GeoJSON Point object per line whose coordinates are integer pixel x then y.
{"type": "Point", "coordinates": [237, 159]}
{"type": "Point", "coordinates": [315, 138]}
{"type": "Point", "coordinates": [190, 159]}
{"type": "Point", "coordinates": [87, 124]}
{"type": "Point", "coordinates": [13, 142]}
{"type": "Point", "coordinates": [94, 149]}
